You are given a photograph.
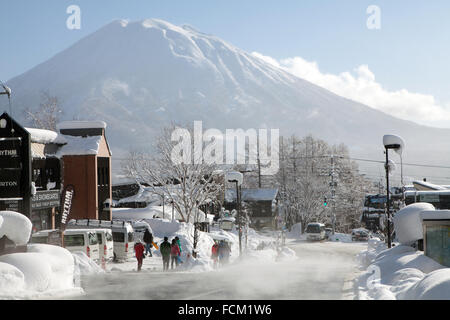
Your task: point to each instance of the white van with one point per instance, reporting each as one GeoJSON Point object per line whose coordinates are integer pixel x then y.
{"type": "Point", "coordinates": [105, 243]}
{"type": "Point", "coordinates": [123, 239]}
{"type": "Point", "coordinates": [84, 240]}
{"type": "Point", "coordinates": [315, 231]}
{"type": "Point", "coordinates": [122, 234]}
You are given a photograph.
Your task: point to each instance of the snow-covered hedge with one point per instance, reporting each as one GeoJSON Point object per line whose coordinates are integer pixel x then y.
{"type": "Point", "coordinates": [15, 226]}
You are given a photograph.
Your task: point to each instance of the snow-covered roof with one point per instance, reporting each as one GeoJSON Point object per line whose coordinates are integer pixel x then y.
{"type": "Point", "coordinates": [81, 125]}
{"type": "Point", "coordinates": [251, 194]}
{"type": "Point", "coordinates": [80, 146]}
{"type": "Point", "coordinates": [45, 136]}
{"type": "Point", "coordinates": [426, 186]}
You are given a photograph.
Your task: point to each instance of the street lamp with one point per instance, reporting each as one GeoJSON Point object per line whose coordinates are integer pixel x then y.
{"type": "Point", "coordinates": [237, 177]}
{"type": "Point", "coordinates": [8, 93]}
{"type": "Point", "coordinates": [397, 144]}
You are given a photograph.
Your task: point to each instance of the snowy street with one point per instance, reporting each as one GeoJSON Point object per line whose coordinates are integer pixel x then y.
{"type": "Point", "coordinates": [318, 272]}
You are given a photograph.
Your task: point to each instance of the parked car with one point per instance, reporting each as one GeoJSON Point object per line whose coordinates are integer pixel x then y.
{"type": "Point", "coordinates": [123, 239]}
{"type": "Point", "coordinates": [106, 244]}
{"type": "Point", "coordinates": [360, 235]}
{"type": "Point", "coordinates": [315, 231]}
{"type": "Point", "coordinates": [84, 240]}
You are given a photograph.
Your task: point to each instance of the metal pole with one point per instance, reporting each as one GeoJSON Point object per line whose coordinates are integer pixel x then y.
{"type": "Point", "coordinates": [387, 201]}
{"type": "Point", "coordinates": [238, 199]}
{"type": "Point", "coordinates": [172, 212]}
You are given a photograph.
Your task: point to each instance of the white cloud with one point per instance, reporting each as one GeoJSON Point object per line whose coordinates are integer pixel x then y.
{"type": "Point", "coordinates": [361, 85]}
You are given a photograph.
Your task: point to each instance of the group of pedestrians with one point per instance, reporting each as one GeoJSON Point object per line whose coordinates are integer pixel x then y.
{"type": "Point", "coordinates": [170, 252]}
{"type": "Point", "coordinates": [220, 252]}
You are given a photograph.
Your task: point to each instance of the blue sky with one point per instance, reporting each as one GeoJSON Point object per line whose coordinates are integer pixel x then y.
{"type": "Point", "coordinates": [410, 50]}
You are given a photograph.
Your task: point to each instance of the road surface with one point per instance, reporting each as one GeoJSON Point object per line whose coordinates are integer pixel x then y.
{"type": "Point", "coordinates": [318, 272]}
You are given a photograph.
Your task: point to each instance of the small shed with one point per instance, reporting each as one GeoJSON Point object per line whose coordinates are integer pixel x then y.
{"type": "Point", "coordinates": [436, 233]}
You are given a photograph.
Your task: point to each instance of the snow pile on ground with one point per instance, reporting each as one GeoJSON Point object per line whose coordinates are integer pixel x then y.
{"type": "Point", "coordinates": [400, 273]}
{"type": "Point", "coordinates": [16, 227]}
{"type": "Point", "coordinates": [11, 279]}
{"type": "Point", "coordinates": [340, 237]}
{"type": "Point", "coordinates": [407, 223]}
{"type": "Point", "coordinates": [61, 262]}
{"type": "Point", "coordinates": [42, 270]}
{"type": "Point", "coordinates": [83, 265]}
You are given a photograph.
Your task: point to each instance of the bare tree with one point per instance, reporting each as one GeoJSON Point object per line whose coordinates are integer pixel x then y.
{"type": "Point", "coordinates": [48, 113]}
{"type": "Point", "coordinates": [182, 178]}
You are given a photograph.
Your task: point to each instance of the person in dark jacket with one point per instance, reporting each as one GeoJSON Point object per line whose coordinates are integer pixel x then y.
{"type": "Point", "coordinates": [174, 253]}
{"type": "Point", "coordinates": [165, 249]}
{"type": "Point", "coordinates": [139, 251]}
{"type": "Point", "coordinates": [148, 239]}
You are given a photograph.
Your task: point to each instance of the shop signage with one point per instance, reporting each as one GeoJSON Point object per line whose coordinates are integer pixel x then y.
{"type": "Point", "coordinates": [10, 183]}
{"type": "Point", "coordinates": [10, 153]}
{"type": "Point", "coordinates": [66, 204]}
{"type": "Point", "coordinates": [45, 199]}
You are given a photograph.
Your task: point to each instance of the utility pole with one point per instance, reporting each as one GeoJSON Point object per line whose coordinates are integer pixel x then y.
{"type": "Point", "coordinates": [259, 161]}
{"type": "Point", "coordinates": [332, 185]}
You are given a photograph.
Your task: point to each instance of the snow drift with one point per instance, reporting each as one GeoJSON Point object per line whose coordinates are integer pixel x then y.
{"type": "Point", "coordinates": [16, 227]}
{"type": "Point", "coordinates": [407, 222]}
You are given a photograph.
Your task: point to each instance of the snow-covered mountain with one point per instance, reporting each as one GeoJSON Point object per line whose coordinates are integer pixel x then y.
{"type": "Point", "coordinates": [137, 76]}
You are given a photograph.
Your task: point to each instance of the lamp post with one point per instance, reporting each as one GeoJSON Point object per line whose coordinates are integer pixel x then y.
{"type": "Point", "coordinates": [237, 177]}
{"type": "Point", "coordinates": [8, 93]}
{"type": "Point", "coordinates": [396, 143]}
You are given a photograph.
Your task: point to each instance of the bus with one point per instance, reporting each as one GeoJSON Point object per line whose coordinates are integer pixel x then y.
{"type": "Point", "coordinates": [440, 199]}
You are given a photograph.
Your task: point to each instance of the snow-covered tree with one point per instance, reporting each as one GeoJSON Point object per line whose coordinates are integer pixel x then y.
{"type": "Point", "coordinates": [180, 177]}
{"type": "Point", "coordinates": [309, 171]}
{"type": "Point", "coordinates": [48, 113]}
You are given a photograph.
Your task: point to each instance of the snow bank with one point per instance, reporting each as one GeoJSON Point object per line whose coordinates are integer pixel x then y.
{"type": "Point", "coordinates": [35, 267]}
{"type": "Point", "coordinates": [340, 237]}
{"type": "Point", "coordinates": [407, 223]}
{"type": "Point", "coordinates": [61, 262]}
{"type": "Point", "coordinates": [401, 273]}
{"type": "Point", "coordinates": [16, 227]}
{"type": "Point", "coordinates": [11, 279]}
{"type": "Point", "coordinates": [83, 265]}
{"type": "Point", "coordinates": [434, 286]}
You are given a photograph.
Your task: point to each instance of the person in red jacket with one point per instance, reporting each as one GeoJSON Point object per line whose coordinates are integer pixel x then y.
{"type": "Point", "coordinates": [215, 253]}
{"type": "Point", "coordinates": [174, 253]}
{"type": "Point", "coordinates": [139, 251]}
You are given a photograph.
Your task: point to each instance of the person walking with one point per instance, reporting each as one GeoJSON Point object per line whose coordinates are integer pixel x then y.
{"type": "Point", "coordinates": [174, 253]}
{"type": "Point", "coordinates": [139, 252]}
{"type": "Point", "coordinates": [215, 253]}
{"type": "Point", "coordinates": [179, 246]}
{"type": "Point", "coordinates": [165, 249]}
{"type": "Point", "coordinates": [148, 239]}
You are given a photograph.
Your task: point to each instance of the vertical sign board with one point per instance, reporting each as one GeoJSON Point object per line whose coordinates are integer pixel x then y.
{"type": "Point", "coordinates": [15, 166]}
{"type": "Point", "coordinates": [66, 204]}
